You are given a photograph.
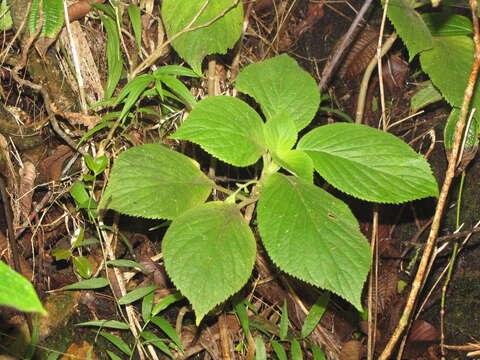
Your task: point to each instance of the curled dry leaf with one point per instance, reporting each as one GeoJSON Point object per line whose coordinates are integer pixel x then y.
{"type": "Point", "coordinates": [314, 14]}
{"type": "Point", "coordinates": [80, 9]}
{"type": "Point", "coordinates": [50, 168]}
{"type": "Point", "coordinates": [27, 183]}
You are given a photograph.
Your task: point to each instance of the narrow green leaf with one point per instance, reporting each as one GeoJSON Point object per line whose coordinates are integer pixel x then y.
{"type": "Point", "coordinates": [296, 350]}
{"type": "Point", "coordinates": [127, 263]}
{"type": "Point", "coordinates": [165, 326]}
{"type": "Point", "coordinates": [111, 324]}
{"type": "Point", "coordinates": [136, 21]}
{"type": "Point", "coordinates": [175, 70]}
{"type": "Point", "coordinates": [315, 314]}
{"type": "Point", "coordinates": [260, 351]}
{"type": "Point", "coordinates": [410, 26]}
{"type": "Point", "coordinates": [147, 305]}
{"type": "Point", "coordinates": [227, 128]}
{"type": "Point", "coordinates": [153, 339]}
{"type": "Point", "coordinates": [18, 292]}
{"type": "Point", "coordinates": [166, 302]}
{"type": "Point", "coordinates": [241, 312]}
{"type": "Point", "coordinates": [368, 163]}
{"type": "Point", "coordinates": [114, 56]}
{"type": "Point", "coordinates": [113, 356]}
{"type": "Point", "coordinates": [293, 214]}
{"type": "Point", "coordinates": [118, 342]}
{"type": "Point", "coordinates": [279, 350]}
{"type": "Point", "coordinates": [34, 17]}
{"type": "Point", "coordinates": [179, 88]}
{"type": "Point", "coordinates": [216, 38]}
{"type": "Point", "coordinates": [219, 247]}
{"type": "Point", "coordinates": [106, 9]}
{"type": "Point", "coordinates": [136, 294]}
{"type": "Point", "coordinates": [52, 17]}
{"type": "Point", "coordinates": [284, 322]}
{"type": "Point", "coordinates": [96, 283]}
{"type": "Point", "coordinates": [280, 86]}
{"type": "Point", "coordinates": [317, 352]}
{"type": "Point", "coordinates": [135, 89]}
{"type": "Point", "coordinates": [82, 266]}
{"type": "Point", "coordinates": [144, 178]}
{"type": "Point", "coordinates": [6, 21]}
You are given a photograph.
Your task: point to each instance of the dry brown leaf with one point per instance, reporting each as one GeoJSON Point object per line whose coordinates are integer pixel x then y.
{"type": "Point", "coordinates": [351, 350]}
{"type": "Point", "coordinates": [27, 183]}
{"type": "Point", "coordinates": [80, 350]}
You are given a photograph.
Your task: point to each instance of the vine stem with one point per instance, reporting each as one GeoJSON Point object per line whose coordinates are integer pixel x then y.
{"type": "Point", "coordinates": [422, 271]}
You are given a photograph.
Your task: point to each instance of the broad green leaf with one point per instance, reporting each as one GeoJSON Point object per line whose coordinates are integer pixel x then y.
{"type": "Point", "coordinates": [297, 162]}
{"type": "Point", "coordinates": [227, 128]}
{"type": "Point", "coordinates": [368, 163]}
{"type": "Point", "coordinates": [166, 302]}
{"type": "Point", "coordinates": [153, 339]}
{"type": "Point", "coordinates": [97, 165]}
{"type": "Point", "coordinates": [111, 324]}
{"type": "Point", "coordinates": [219, 248]}
{"type": "Point", "coordinates": [216, 38]}
{"type": "Point", "coordinates": [279, 350]}
{"type": "Point", "coordinates": [426, 95]}
{"type": "Point", "coordinates": [296, 350]}
{"type": "Point", "coordinates": [168, 329]}
{"type": "Point", "coordinates": [18, 292]}
{"type": "Point", "coordinates": [114, 56]}
{"type": "Point", "coordinates": [83, 266]}
{"type": "Point", "coordinates": [81, 196]}
{"type": "Point", "coordinates": [136, 21]}
{"type": "Point", "coordinates": [280, 86]}
{"type": "Point", "coordinates": [117, 341]}
{"type": "Point", "coordinates": [448, 24]}
{"type": "Point", "coordinates": [144, 178]}
{"type": "Point", "coordinates": [315, 314]}
{"type": "Point", "coordinates": [294, 214]}
{"type": "Point", "coordinates": [136, 294]}
{"type": "Point", "coordinates": [96, 283]}
{"type": "Point", "coordinates": [448, 65]}
{"type": "Point", "coordinates": [284, 322]}
{"type": "Point", "coordinates": [410, 26]}
{"type": "Point", "coordinates": [127, 263]}
{"type": "Point", "coordinates": [260, 351]}
{"type": "Point", "coordinates": [471, 139]}
{"type": "Point", "coordinates": [280, 133]}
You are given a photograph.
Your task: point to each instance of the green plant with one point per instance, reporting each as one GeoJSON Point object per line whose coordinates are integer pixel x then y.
{"type": "Point", "coordinates": [307, 232]}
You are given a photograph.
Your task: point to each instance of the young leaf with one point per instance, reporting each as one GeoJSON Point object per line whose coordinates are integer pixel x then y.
{"type": "Point", "coordinates": [297, 162]}
{"type": "Point", "coordinates": [410, 26]}
{"type": "Point", "coordinates": [136, 294]}
{"type": "Point", "coordinates": [219, 248]}
{"type": "Point", "coordinates": [368, 163]}
{"type": "Point", "coordinates": [279, 350]}
{"type": "Point", "coordinates": [96, 283]}
{"type": "Point", "coordinates": [118, 342]}
{"type": "Point", "coordinates": [294, 214]}
{"type": "Point", "coordinates": [280, 133]}
{"type": "Point", "coordinates": [111, 324]}
{"type": "Point", "coordinates": [18, 292]}
{"type": "Point", "coordinates": [280, 86]}
{"type": "Point", "coordinates": [227, 128]}
{"type": "Point", "coordinates": [165, 326]}
{"type": "Point", "coordinates": [315, 314]}
{"type": "Point", "coordinates": [216, 38]}
{"type": "Point", "coordinates": [144, 178]}
{"type": "Point", "coordinates": [296, 350]}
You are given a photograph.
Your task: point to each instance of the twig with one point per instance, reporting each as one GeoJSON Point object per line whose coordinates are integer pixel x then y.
{"type": "Point", "coordinates": [348, 38]}
{"type": "Point", "coordinates": [442, 199]}
{"type": "Point", "coordinates": [366, 78]}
